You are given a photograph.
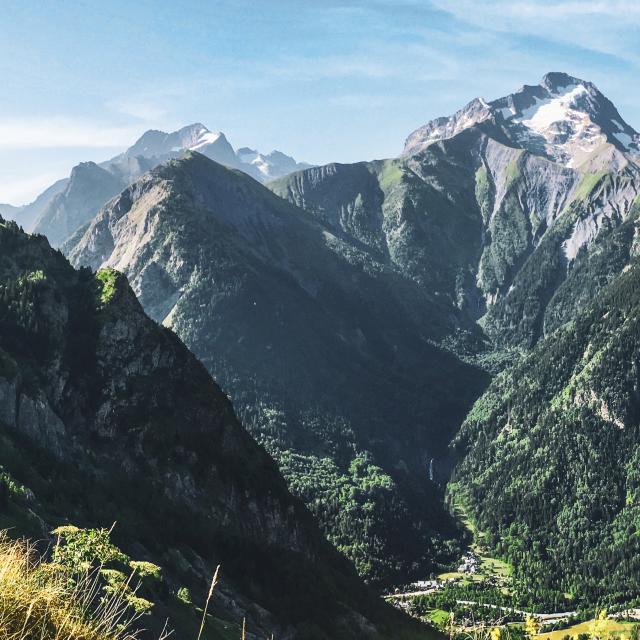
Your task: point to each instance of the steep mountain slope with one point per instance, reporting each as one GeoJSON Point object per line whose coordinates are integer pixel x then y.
{"type": "Point", "coordinates": [105, 416]}
{"type": "Point", "coordinates": [327, 352]}
{"type": "Point", "coordinates": [550, 452]}
{"type": "Point", "coordinates": [492, 225]}
{"type": "Point", "coordinates": [88, 188]}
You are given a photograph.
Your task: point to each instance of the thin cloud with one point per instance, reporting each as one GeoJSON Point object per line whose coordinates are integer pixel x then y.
{"type": "Point", "coordinates": [144, 110]}
{"type": "Point", "coordinates": [62, 132]}
{"type": "Point", "coordinates": [594, 26]}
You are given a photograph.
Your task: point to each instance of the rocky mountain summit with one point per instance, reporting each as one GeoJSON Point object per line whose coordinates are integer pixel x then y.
{"type": "Point", "coordinates": [196, 137]}
{"type": "Point", "coordinates": [478, 211]}
{"type": "Point", "coordinates": [563, 118]}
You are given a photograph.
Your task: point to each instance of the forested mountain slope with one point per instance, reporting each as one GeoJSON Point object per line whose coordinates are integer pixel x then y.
{"type": "Point", "coordinates": [328, 353]}
{"type": "Point", "coordinates": [105, 416]}
{"type": "Point", "coordinates": [550, 452]}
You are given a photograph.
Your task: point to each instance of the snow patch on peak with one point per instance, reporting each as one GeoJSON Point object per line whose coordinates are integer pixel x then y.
{"type": "Point", "coordinates": [545, 112]}
{"type": "Point", "coordinates": [567, 130]}
{"type": "Point", "coordinates": [206, 137]}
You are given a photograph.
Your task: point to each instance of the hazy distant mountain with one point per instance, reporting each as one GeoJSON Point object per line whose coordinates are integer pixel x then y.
{"type": "Point", "coordinates": [268, 167]}
{"type": "Point", "coordinates": [71, 203]}
{"type": "Point", "coordinates": [27, 215]}
{"type": "Point", "coordinates": [87, 189]}
{"type": "Point", "coordinates": [161, 146]}
{"type": "Point", "coordinates": [196, 137]}
{"type": "Point", "coordinates": [8, 211]}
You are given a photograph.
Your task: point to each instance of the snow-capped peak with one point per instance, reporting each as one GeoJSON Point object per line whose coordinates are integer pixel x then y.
{"type": "Point", "coordinates": [562, 118]}
{"type": "Point", "coordinates": [160, 146]}
{"type": "Point", "coordinates": [269, 166]}
{"type": "Point", "coordinates": [207, 137]}
{"type": "Point", "coordinates": [557, 125]}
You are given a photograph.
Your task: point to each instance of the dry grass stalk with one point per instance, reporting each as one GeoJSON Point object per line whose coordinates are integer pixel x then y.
{"type": "Point", "coordinates": [214, 582]}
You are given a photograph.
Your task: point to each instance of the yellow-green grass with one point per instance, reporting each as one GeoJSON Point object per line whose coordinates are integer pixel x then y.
{"type": "Point", "coordinates": [465, 578]}
{"type": "Point", "coordinates": [38, 601]}
{"type": "Point", "coordinates": [488, 566]}
{"type": "Point", "coordinates": [609, 628]}
{"type": "Point", "coordinates": [439, 617]}
{"type": "Point", "coordinates": [495, 567]}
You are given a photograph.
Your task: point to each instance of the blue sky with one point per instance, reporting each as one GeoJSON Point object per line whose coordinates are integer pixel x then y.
{"type": "Point", "coordinates": [324, 80]}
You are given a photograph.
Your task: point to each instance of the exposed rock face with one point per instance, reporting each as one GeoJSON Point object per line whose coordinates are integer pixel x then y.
{"type": "Point", "coordinates": [115, 403]}
{"type": "Point", "coordinates": [563, 118]}
{"type": "Point", "coordinates": [324, 347]}
{"type": "Point", "coordinates": [490, 219]}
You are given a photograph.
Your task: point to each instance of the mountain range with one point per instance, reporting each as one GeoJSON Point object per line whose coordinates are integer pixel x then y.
{"type": "Point", "coordinates": [70, 203]}
{"type": "Point", "coordinates": [314, 339]}
{"type": "Point", "coordinates": [454, 327]}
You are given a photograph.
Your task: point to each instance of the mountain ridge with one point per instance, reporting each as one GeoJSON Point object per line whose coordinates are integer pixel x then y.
{"type": "Point", "coordinates": [71, 202]}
